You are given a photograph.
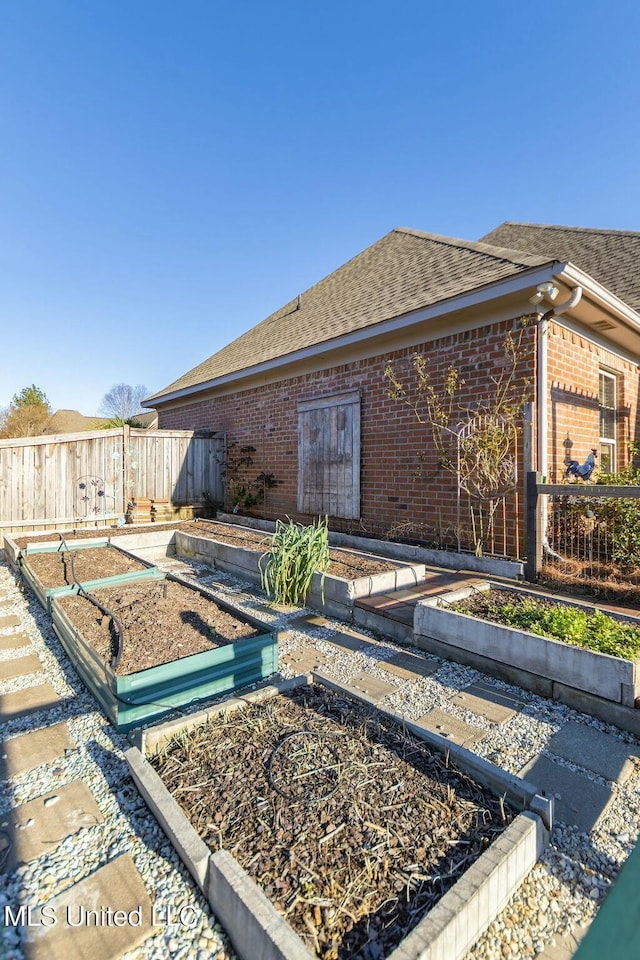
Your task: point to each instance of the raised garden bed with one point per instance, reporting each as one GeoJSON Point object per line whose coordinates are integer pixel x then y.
{"type": "Point", "coordinates": [169, 645]}
{"type": "Point", "coordinates": [350, 575]}
{"type": "Point", "coordinates": [550, 667]}
{"type": "Point", "coordinates": [152, 539]}
{"type": "Point", "coordinates": [318, 827]}
{"type": "Point", "coordinates": [51, 571]}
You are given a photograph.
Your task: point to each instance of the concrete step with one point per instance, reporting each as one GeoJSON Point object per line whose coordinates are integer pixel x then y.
{"type": "Point", "coordinates": [20, 667]}
{"type": "Point", "coordinates": [104, 916]}
{"type": "Point", "coordinates": [38, 826]}
{"type": "Point", "coordinates": [22, 703]}
{"type": "Point", "coordinates": [578, 800]}
{"type": "Point", "coordinates": [13, 641]}
{"type": "Point", "coordinates": [27, 751]}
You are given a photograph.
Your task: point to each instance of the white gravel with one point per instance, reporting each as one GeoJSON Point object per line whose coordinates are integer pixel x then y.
{"type": "Point", "coordinates": [561, 893]}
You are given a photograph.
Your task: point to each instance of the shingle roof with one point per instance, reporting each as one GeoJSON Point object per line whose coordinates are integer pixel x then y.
{"type": "Point", "coordinates": [404, 271]}
{"type": "Point", "coordinates": [72, 421]}
{"type": "Point", "coordinates": [612, 257]}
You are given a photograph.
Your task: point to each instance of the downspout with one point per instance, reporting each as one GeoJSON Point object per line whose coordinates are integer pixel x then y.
{"type": "Point", "coordinates": [542, 390]}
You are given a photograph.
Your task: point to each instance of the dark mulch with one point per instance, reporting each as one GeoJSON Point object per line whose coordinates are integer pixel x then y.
{"type": "Point", "coordinates": [352, 827]}
{"type": "Point", "coordinates": [162, 621]}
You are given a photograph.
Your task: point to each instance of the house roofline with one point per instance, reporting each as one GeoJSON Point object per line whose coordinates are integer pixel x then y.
{"type": "Point", "coordinates": [602, 296]}
{"type": "Point", "coordinates": [554, 269]}
{"type": "Point", "coordinates": [481, 295]}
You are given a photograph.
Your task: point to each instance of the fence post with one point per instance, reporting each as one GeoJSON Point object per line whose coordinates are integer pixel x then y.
{"type": "Point", "coordinates": [535, 533]}
{"type": "Point", "coordinates": [126, 477]}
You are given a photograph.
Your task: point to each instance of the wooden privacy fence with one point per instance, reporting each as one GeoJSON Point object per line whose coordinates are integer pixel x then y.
{"type": "Point", "coordinates": [88, 478]}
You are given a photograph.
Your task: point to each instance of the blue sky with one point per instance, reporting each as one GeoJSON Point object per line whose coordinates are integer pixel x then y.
{"type": "Point", "coordinates": [172, 172]}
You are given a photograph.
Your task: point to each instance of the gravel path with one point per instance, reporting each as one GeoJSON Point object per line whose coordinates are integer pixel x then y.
{"type": "Point", "coordinates": [561, 893]}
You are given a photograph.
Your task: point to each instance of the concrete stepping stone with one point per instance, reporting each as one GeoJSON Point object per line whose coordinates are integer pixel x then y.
{"type": "Point", "coordinates": [408, 666]}
{"type": "Point", "coordinates": [117, 886]}
{"type": "Point", "coordinates": [304, 661]}
{"type": "Point", "coordinates": [594, 750]}
{"type": "Point", "coordinates": [11, 641]}
{"type": "Point", "coordinates": [489, 702]}
{"type": "Point", "coordinates": [578, 800]}
{"type": "Point", "coordinates": [373, 688]}
{"type": "Point", "coordinates": [347, 639]}
{"type": "Point", "coordinates": [565, 945]}
{"type": "Point", "coordinates": [309, 620]}
{"type": "Point", "coordinates": [439, 721]}
{"type": "Point", "coordinates": [11, 620]}
{"type": "Point", "coordinates": [20, 703]}
{"type": "Point", "coordinates": [20, 667]}
{"type": "Point", "coordinates": [29, 750]}
{"type": "Point", "coordinates": [38, 826]}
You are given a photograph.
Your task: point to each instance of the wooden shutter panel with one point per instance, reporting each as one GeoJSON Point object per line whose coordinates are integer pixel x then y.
{"type": "Point", "coordinates": [329, 455]}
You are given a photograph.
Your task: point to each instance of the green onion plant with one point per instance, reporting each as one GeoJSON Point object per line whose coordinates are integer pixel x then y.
{"type": "Point", "coordinates": [295, 553]}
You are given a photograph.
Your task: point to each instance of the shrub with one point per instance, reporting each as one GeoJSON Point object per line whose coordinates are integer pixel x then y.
{"type": "Point", "coordinates": [616, 520]}
{"type": "Point", "coordinates": [295, 553]}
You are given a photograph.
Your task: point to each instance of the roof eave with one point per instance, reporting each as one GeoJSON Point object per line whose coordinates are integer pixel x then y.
{"type": "Point", "coordinates": [573, 276]}
{"type": "Point", "coordinates": [477, 297]}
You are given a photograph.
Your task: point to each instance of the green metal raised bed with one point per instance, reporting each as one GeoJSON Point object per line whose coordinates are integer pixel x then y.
{"type": "Point", "coordinates": [138, 698]}
{"type": "Point", "coordinates": [45, 594]}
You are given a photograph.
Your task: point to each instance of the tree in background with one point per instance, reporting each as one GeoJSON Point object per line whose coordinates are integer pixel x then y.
{"type": "Point", "coordinates": [27, 414]}
{"type": "Point", "coordinates": [122, 403]}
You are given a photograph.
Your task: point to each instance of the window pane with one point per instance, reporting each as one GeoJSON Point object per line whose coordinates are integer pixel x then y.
{"type": "Point", "coordinates": [607, 390]}
{"type": "Point", "coordinates": [607, 457]}
{"type": "Point", "coordinates": [607, 424]}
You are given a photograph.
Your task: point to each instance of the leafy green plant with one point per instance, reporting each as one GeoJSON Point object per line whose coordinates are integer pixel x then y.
{"type": "Point", "coordinates": [580, 628]}
{"type": "Point", "coordinates": [295, 553]}
{"type": "Point", "coordinates": [615, 519]}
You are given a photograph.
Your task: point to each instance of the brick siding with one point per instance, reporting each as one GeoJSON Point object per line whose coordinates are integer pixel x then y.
{"type": "Point", "coordinates": [266, 417]}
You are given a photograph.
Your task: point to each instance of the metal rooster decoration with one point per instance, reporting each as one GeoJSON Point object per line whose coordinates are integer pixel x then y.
{"type": "Point", "coordinates": [582, 471]}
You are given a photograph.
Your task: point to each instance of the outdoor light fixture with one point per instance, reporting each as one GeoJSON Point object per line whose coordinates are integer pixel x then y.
{"type": "Point", "coordinates": [546, 289]}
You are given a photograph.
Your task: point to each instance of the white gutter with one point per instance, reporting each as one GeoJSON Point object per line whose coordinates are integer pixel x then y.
{"type": "Point", "coordinates": [512, 285]}
{"type": "Point", "coordinates": [543, 403]}
{"type": "Point", "coordinates": [543, 378]}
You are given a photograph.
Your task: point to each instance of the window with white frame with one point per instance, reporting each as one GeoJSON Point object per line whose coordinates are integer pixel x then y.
{"type": "Point", "coordinates": [607, 400]}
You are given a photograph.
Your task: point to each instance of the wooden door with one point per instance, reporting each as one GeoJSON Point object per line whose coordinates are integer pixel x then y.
{"type": "Point", "coordinates": [329, 455]}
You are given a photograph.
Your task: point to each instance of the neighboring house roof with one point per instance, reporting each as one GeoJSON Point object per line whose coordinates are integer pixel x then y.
{"type": "Point", "coordinates": [148, 420]}
{"type": "Point", "coordinates": [72, 421]}
{"type": "Point", "coordinates": [610, 256]}
{"type": "Point", "coordinates": [404, 271]}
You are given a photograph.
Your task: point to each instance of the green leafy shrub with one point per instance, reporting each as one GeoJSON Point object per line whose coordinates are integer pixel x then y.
{"type": "Point", "coordinates": [594, 631]}
{"type": "Point", "coordinates": [295, 553]}
{"type": "Point", "coordinates": [617, 520]}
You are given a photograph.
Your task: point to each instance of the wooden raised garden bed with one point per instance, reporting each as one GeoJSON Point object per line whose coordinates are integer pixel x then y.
{"type": "Point", "coordinates": [168, 644]}
{"type": "Point", "coordinates": [51, 571]}
{"type": "Point", "coordinates": [352, 833]}
{"type": "Point", "coordinates": [550, 667]}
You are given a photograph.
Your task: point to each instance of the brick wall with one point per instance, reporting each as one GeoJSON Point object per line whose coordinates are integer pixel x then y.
{"type": "Point", "coordinates": [266, 418]}
{"type": "Point", "coordinates": [574, 427]}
